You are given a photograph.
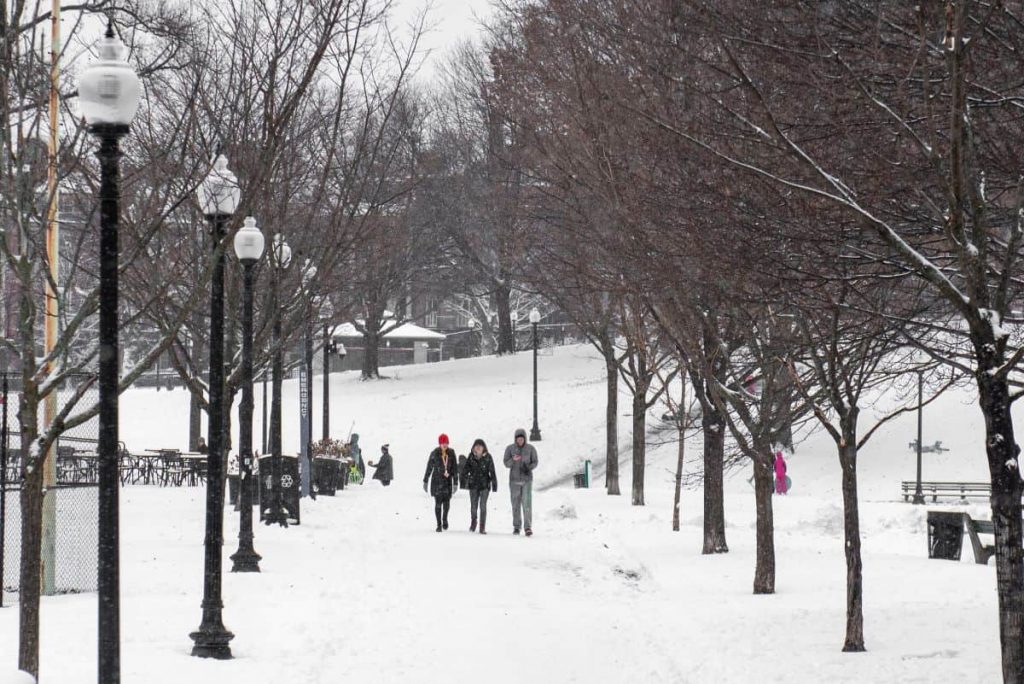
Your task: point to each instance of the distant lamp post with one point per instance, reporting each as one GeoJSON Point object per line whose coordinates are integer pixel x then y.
{"type": "Point", "coordinates": [108, 94]}
{"type": "Point", "coordinates": [326, 314]}
{"type": "Point", "coordinates": [535, 430]}
{"type": "Point", "coordinates": [280, 259]}
{"type": "Point", "coordinates": [218, 196]}
{"type": "Point", "coordinates": [918, 494]}
{"type": "Point", "coordinates": [248, 249]}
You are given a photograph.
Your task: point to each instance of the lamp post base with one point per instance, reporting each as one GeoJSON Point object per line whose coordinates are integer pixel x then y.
{"type": "Point", "coordinates": [246, 560]}
{"type": "Point", "coordinates": [211, 641]}
{"type": "Point", "coordinates": [918, 498]}
{"type": "Point", "coordinates": [535, 434]}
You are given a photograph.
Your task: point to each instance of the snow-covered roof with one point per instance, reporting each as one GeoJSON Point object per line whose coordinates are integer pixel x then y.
{"type": "Point", "coordinates": [406, 331]}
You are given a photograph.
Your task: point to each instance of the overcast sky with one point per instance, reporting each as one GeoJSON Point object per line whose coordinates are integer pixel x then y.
{"type": "Point", "coordinates": [451, 22]}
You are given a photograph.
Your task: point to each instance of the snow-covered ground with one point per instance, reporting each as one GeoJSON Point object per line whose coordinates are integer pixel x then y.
{"type": "Point", "coordinates": [365, 590]}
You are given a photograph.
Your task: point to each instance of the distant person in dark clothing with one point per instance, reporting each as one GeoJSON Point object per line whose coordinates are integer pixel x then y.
{"type": "Point", "coordinates": [383, 468]}
{"type": "Point", "coordinates": [479, 478]}
{"type": "Point", "coordinates": [443, 477]}
{"type": "Point", "coordinates": [201, 446]}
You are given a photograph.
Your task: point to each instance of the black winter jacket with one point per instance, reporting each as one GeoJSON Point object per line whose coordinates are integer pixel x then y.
{"type": "Point", "coordinates": [479, 473]}
{"type": "Point", "coordinates": [435, 474]}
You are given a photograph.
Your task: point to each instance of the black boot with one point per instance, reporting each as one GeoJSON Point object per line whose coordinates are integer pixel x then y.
{"type": "Point", "coordinates": [472, 525]}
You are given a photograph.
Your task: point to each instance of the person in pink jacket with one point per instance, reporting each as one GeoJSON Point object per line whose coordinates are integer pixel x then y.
{"type": "Point", "coordinates": [780, 473]}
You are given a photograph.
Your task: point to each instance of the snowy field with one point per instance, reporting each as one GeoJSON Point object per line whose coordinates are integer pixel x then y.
{"type": "Point", "coordinates": [365, 590]}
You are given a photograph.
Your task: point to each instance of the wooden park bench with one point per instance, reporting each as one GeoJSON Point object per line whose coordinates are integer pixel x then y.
{"type": "Point", "coordinates": [982, 552]}
{"type": "Point", "coordinates": [964, 490]}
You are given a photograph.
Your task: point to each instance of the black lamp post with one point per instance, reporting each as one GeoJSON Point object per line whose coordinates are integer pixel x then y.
{"type": "Point", "coordinates": [280, 258]}
{"type": "Point", "coordinates": [218, 199]}
{"type": "Point", "coordinates": [326, 312]}
{"type": "Point", "coordinates": [263, 406]}
{"type": "Point", "coordinates": [248, 249]}
{"type": "Point", "coordinates": [918, 494]}
{"type": "Point", "coordinates": [535, 430]}
{"type": "Point", "coordinates": [109, 97]}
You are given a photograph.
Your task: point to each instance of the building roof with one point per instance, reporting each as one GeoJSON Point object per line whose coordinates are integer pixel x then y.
{"type": "Point", "coordinates": [406, 331]}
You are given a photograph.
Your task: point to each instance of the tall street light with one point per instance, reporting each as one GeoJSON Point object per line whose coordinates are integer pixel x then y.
{"type": "Point", "coordinates": [535, 430]}
{"type": "Point", "coordinates": [280, 258]}
{"type": "Point", "coordinates": [248, 249]}
{"type": "Point", "coordinates": [218, 196]}
{"type": "Point", "coordinates": [108, 93]}
{"type": "Point", "coordinates": [326, 313]}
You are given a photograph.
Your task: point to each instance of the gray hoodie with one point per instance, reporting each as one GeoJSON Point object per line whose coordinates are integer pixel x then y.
{"type": "Point", "coordinates": [520, 461]}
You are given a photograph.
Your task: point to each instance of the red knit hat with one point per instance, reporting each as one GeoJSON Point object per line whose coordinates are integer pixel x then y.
{"type": "Point", "coordinates": [443, 439]}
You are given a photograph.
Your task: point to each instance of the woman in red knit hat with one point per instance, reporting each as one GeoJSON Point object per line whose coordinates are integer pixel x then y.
{"type": "Point", "coordinates": [443, 478]}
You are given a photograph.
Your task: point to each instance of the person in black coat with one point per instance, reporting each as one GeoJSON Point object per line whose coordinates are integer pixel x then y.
{"type": "Point", "coordinates": [443, 477]}
{"type": "Point", "coordinates": [479, 478]}
{"type": "Point", "coordinates": [384, 470]}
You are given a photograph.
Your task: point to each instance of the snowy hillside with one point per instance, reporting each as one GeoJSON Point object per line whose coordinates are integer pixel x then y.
{"type": "Point", "coordinates": [365, 590]}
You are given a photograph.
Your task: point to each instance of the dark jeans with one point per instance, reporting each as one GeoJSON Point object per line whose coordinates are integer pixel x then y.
{"type": "Point", "coordinates": [478, 503]}
{"type": "Point", "coordinates": [442, 502]}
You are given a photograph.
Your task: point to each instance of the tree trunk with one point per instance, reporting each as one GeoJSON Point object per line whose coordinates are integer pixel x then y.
{"type": "Point", "coordinates": [764, 569]}
{"type": "Point", "coordinates": [1002, 451]}
{"type": "Point", "coordinates": [230, 394]}
{"type": "Point", "coordinates": [195, 410]}
{"type": "Point", "coordinates": [195, 423]}
{"type": "Point", "coordinates": [31, 534]}
{"type": "Point", "coordinates": [639, 441]}
{"type": "Point", "coordinates": [681, 428]}
{"type": "Point", "coordinates": [503, 306]}
{"type": "Point", "coordinates": [713, 427]}
{"type": "Point", "coordinates": [612, 423]}
{"type": "Point", "coordinates": [371, 354]}
{"type": "Point", "coordinates": [854, 642]}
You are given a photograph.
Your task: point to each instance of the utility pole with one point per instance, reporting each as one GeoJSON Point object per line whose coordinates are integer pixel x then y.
{"type": "Point", "coordinates": [52, 311]}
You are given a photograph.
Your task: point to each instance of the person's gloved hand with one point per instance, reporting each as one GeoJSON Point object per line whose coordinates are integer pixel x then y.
{"type": "Point", "coordinates": [494, 488]}
{"type": "Point", "coordinates": [424, 485]}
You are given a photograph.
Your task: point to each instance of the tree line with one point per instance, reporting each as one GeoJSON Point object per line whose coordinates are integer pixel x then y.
{"type": "Point", "coordinates": [794, 206]}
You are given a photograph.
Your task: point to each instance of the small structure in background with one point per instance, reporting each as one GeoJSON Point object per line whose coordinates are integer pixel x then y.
{"type": "Point", "coordinates": [404, 345]}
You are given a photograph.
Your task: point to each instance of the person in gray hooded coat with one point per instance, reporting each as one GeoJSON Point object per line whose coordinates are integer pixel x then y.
{"type": "Point", "coordinates": [521, 460]}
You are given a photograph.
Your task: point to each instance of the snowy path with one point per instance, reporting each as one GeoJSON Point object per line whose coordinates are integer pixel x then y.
{"type": "Point", "coordinates": [366, 591]}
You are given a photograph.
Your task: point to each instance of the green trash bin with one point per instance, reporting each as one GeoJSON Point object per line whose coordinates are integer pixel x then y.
{"type": "Point", "coordinates": [945, 535]}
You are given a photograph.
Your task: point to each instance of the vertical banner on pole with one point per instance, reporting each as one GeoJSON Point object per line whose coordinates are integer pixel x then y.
{"type": "Point", "coordinates": [304, 430]}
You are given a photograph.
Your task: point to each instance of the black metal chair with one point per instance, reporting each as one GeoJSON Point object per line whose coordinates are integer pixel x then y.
{"type": "Point", "coordinates": [173, 470]}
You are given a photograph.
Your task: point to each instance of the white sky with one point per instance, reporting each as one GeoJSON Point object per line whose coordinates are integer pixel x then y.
{"type": "Point", "coordinates": [452, 21]}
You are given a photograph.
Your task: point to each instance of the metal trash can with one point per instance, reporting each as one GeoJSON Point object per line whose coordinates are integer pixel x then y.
{"type": "Point", "coordinates": [289, 486]}
{"type": "Point", "coordinates": [326, 473]}
{"type": "Point", "coordinates": [579, 480]}
{"type": "Point", "coordinates": [945, 535]}
{"type": "Point", "coordinates": [234, 489]}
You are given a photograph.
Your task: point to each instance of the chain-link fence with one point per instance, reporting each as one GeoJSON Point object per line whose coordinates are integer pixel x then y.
{"type": "Point", "coordinates": [70, 508]}
{"type": "Point", "coordinates": [72, 567]}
